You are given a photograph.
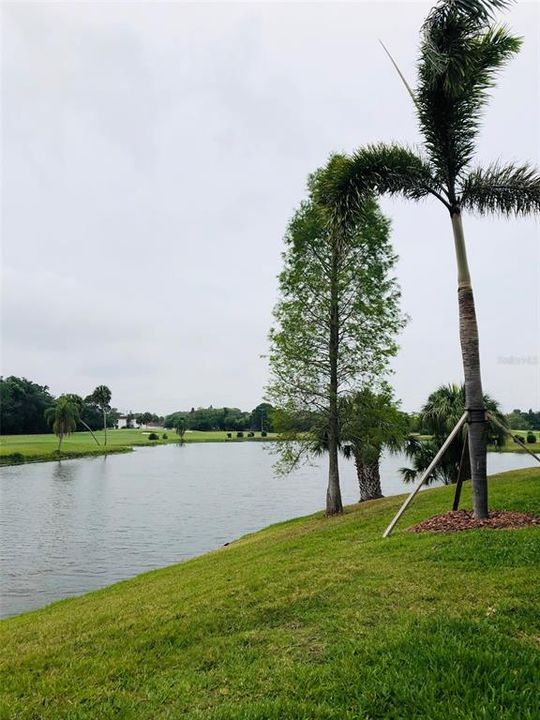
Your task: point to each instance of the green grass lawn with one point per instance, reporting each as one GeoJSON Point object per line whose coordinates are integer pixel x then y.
{"type": "Point", "coordinates": [312, 619]}
{"type": "Point", "coordinates": [23, 448]}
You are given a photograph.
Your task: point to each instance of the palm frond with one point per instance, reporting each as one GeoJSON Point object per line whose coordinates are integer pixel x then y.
{"type": "Point", "coordinates": [507, 189]}
{"type": "Point", "coordinates": [459, 59]}
{"type": "Point", "coordinates": [382, 169]}
{"type": "Point", "coordinates": [479, 11]}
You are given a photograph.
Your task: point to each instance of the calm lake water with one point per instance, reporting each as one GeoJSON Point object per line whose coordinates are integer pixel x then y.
{"type": "Point", "coordinates": [73, 526]}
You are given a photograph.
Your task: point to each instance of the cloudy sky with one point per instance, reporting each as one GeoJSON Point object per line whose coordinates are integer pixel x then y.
{"type": "Point", "coordinates": [152, 154]}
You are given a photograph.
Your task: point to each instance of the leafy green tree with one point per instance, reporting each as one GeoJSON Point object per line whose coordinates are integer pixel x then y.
{"type": "Point", "coordinates": [63, 417]}
{"type": "Point", "coordinates": [102, 398]}
{"type": "Point", "coordinates": [373, 423]}
{"type": "Point", "coordinates": [261, 417]}
{"type": "Point", "coordinates": [211, 418]}
{"type": "Point", "coordinates": [180, 427]}
{"type": "Point", "coordinates": [461, 52]}
{"type": "Point", "coordinates": [438, 416]}
{"type": "Point", "coordinates": [336, 323]}
{"type": "Point", "coordinates": [22, 406]}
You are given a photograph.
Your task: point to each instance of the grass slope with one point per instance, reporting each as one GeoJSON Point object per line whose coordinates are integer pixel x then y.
{"type": "Point", "coordinates": [312, 619]}
{"type": "Point", "coordinates": [33, 448]}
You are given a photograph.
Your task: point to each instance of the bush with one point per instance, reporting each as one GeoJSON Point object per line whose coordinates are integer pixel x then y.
{"type": "Point", "coordinates": [519, 437]}
{"type": "Point", "coordinates": [165, 436]}
{"type": "Point", "coordinates": [239, 434]}
{"type": "Point", "coordinates": [531, 437]}
{"type": "Point", "coordinates": [263, 433]}
{"type": "Point", "coordinates": [251, 434]}
{"type": "Point", "coordinates": [15, 457]}
{"type": "Point", "coordinates": [229, 435]}
{"type": "Point", "coordinates": [153, 436]}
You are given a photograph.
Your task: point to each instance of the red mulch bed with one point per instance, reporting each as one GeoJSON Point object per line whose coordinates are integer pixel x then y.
{"type": "Point", "coordinates": [457, 520]}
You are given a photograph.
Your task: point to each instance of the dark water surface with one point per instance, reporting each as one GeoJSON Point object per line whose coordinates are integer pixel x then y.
{"type": "Point", "coordinates": [73, 526]}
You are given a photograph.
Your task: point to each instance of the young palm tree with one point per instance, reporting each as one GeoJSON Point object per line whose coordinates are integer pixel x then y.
{"type": "Point", "coordinates": [102, 397]}
{"type": "Point", "coordinates": [438, 417]}
{"type": "Point", "coordinates": [373, 422]}
{"type": "Point", "coordinates": [461, 52]}
{"type": "Point", "coordinates": [63, 416]}
{"type": "Point", "coordinates": [79, 402]}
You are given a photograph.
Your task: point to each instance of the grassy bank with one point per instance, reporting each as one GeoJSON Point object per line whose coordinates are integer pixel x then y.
{"type": "Point", "coordinates": [312, 619]}
{"type": "Point", "coordinates": [16, 449]}
{"type": "Point", "coordinates": [511, 446]}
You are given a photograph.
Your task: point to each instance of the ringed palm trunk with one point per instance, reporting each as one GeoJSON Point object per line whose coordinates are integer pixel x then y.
{"type": "Point", "coordinates": [369, 478]}
{"type": "Point", "coordinates": [105, 425]}
{"type": "Point", "coordinates": [470, 352]}
{"type": "Point", "coordinates": [334, 504]}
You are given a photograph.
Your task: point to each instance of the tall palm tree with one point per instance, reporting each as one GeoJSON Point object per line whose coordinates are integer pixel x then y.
{"type": "Point", "coordinates": [439, 415]}
{"type": "Point", "coordinates": [63, 416]}
{"type": "Point", "coordinates": [461, 52]}
{"type": "Point", "coordinates": [102, 397]}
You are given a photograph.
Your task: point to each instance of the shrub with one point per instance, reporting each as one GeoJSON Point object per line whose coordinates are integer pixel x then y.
{"type": "Point", "coordinates": [153, 436]}
{"type": "Point", "coordinates": [229, 435]}
{"type": "Point", "coordinates": [531, 437]}
{"type": "Point", "coordinates": [15, 457]}
{"type": "Point", "coordinates": [519, 437]}
{"type": "Point", "coordinates": [251, 434]}
{"type": "Point", "coordinates": [263, 433]}
{"type": "Point", "coordinates": [240, 434]}
{"type": "Point", "coordinates": [165, 436]}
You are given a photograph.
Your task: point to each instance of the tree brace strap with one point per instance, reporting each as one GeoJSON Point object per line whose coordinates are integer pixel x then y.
{"type": "Point", "coordinates": [476, 416]}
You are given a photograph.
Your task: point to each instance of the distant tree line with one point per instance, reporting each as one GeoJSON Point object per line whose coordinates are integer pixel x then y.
{"type": "Point", "coordinates": [260, 418]}
{"type": "Point", "coordinates": [519, 420]}
{"type": "Point", "coordinates": [143, 418]}
{"type": "Point", "coordinates": [24, 407]}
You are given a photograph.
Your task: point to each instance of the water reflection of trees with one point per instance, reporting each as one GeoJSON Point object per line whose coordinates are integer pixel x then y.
{"type": "Point", "coordinates": [64, 471]}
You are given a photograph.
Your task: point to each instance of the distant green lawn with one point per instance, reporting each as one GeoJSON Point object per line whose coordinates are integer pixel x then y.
{"type": "Point", "coordinates": [21, 448]}
{"type": "Point", "coordinates": [312, 619]}
{"type": "Point", "coordinates": [512, 446]}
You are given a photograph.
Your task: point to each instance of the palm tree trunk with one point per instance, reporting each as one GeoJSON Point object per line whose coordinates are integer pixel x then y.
{"type": "Point", "coordinates": [369, 478]}
{"type": "Point", "coordinates": [334, 505]}
{"type": "Point", "coordinates": [89, 430]}
{"type": "Point", "coordinates": [470, 352]}
{"type": "Point", "coordinates": [105, 425]}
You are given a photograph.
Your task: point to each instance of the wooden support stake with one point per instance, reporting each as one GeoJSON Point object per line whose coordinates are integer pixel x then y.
{"type": "Point", "coordinates": [461, 473]}
{"type": "Point", "coordinates": [433, 464]}
{"type": "Point", "coordinates": [514, 437]}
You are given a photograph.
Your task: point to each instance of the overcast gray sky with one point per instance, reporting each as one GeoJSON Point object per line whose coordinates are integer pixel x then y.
{"type": "Point", "coordinates": [152, 156]}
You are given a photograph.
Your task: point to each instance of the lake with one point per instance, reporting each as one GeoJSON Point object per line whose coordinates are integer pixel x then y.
{"type": "Point", "coordinates": [77, 525]}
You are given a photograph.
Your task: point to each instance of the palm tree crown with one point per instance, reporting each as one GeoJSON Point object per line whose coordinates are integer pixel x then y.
{"type": "Point", "coordinates": [437, 418]}
{"type": "Point", "coordinates": [63, 416]}
{"type": "Point", "coordinates": [461, 52]}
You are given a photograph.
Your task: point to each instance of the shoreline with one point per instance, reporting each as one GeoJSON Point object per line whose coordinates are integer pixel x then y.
{"type": "Point", "coordinates": [15, 458]}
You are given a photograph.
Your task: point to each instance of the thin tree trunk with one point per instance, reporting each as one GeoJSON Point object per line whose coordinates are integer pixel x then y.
{"type": "Point", "coordinates": [334, 505]}
{"type": "Point", "coordinates": [468, 333]}
{"type": "Point", "coordinates": [60, 438]}
{"type": "Point", "coordinates": [369, 478]}
{"type": "Point", "coordinates": [89, 430]}
{"type": "Point", "coordinates": [105, 425]}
